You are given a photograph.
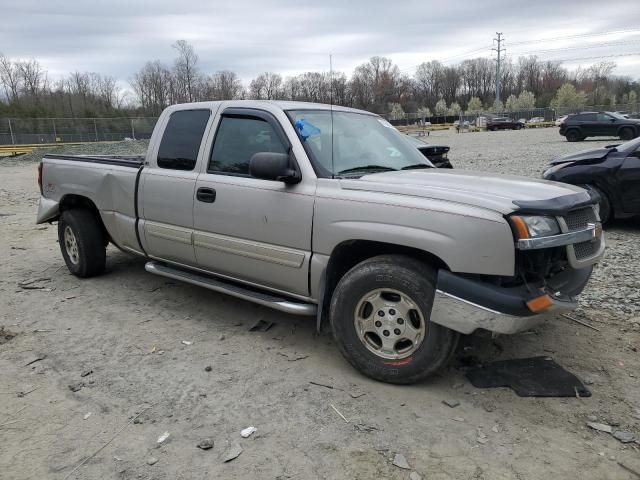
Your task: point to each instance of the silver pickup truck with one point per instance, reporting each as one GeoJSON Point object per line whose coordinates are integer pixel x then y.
{"type": "Point", "coordinates": [333, 213]}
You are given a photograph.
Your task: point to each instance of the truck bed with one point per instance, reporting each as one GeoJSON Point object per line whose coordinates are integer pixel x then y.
{"type": "Point", "coordinates": [132, 161]}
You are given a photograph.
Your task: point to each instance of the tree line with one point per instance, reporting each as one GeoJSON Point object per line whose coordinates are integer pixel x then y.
{"type": "Point", "coordinates": [377, 85]}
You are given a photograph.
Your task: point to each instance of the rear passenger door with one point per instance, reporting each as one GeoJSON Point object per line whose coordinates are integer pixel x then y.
{"type": "Point", "coordinates": [588, 122]}
{"type": "Point", "coordinates": [254, 230]}
{"type": "Point", "coordinates": [168, 185]}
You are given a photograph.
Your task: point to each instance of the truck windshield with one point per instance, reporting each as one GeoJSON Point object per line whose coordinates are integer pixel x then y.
{"type": "Point", "coordinates": [361, 143]}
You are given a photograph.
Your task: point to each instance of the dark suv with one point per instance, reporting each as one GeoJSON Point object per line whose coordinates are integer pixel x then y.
{"type": "Point", "coordinates": [599, 124]}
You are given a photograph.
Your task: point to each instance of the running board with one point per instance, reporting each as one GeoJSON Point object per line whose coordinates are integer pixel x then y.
{"type": "Point", "coordinates": [238, 291]}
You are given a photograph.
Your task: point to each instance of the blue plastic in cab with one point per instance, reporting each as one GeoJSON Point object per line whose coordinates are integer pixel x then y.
{"type": "Point", "coordinates": [306, 129]}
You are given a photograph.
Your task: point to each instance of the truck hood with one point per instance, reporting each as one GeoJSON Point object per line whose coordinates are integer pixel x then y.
{"type": "Point", "coordinates": [501, 193]}
{"type": "Point", "coordinates": [585, 155]}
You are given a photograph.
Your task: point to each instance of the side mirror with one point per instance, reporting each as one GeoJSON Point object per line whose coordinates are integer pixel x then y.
{"type": "Point", "coordinates": [273, 166]}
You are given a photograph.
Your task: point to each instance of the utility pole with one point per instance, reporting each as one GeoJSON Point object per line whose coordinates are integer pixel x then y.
{"type": "Point", "coordinates": [499, 50]}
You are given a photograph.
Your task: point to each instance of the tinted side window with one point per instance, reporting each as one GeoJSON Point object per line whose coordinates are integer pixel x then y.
{"type": "Point", "coordinates": [587, 117]}
{"type": "Point", "coordinates": [603, 117]}
{"type": "Point", "coordinates": [237, 140]}
{"type": "Point", "coordinates": [181, 140]}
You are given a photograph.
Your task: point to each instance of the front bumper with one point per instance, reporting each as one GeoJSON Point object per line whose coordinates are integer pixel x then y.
{"type": "Point", "coordinates": [465, 305]}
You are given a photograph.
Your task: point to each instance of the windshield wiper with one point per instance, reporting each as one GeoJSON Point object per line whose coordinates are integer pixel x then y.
{"type": "Point", "coordinates": [365, 168]}
{"type": "Point", "coordinates": [416, 166]}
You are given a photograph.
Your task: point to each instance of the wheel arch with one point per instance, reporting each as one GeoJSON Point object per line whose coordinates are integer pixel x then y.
{"type": "Point", "coordinates": [632, 127]}
{"type": "Point", "coordinates": [72, 200]}
{"type": "Point", "coordinates": [349, 253]}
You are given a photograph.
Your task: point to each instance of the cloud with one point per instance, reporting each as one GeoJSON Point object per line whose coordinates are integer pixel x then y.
{"type": "Point", "coordinates": [250, 36]}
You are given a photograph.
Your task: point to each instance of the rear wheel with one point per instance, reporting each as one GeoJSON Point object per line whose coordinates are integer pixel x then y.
{"type": "Point", "coordinates": [627, 133]}
{"type": "Point", "coordinates": [82, 242]}
{"type": "Point", "coordinates": [573, 135]}
{"type": "Point", "coordinates": [380, 319]}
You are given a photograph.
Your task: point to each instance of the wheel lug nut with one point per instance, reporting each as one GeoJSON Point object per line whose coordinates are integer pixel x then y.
{"type": "Point", "coordinates": [397, 331]}
{"type": "Point", "coordinates": [386, 333]}
{"type": "Point", "coordinates": [380, 313]}
{"type": "Point", "coordinates": [400, 321]}
{"type": "Point", "coordinates": [378, 323]}
{"type": "Point", "coordinates": [392, 311]}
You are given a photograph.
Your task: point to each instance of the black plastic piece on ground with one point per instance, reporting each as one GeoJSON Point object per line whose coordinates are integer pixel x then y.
{"type": "Point", "coordinates": [529, 377]}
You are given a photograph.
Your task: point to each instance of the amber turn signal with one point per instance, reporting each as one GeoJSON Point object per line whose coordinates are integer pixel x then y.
{"type": "Point", "coordinates": [540, 304]}
{"type": "Point", "coordinates": [521, 228]}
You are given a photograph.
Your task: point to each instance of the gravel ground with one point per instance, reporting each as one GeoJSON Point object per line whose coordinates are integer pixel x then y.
{"type": "Point", "coordinates": [93, 372]}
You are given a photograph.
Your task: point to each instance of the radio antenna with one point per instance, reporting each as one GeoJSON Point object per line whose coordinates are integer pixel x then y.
{"type": "Point", "coordinates": [333, 174]}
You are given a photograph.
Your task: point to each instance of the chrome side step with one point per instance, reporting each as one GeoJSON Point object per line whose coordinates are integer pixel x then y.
{"type": "Point", "coordinates": [235, 290]}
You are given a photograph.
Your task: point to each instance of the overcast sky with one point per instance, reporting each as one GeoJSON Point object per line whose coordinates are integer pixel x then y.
{"type": "Point", "coordinates": [116, 37]}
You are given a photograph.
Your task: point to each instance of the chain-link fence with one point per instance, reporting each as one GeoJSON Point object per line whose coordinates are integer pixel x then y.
{"type": "Point", "coordinates": [29, 131]}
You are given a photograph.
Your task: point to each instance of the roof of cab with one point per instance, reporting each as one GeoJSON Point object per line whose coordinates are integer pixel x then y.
{"type": "Point", "coordinates": [280, 104]}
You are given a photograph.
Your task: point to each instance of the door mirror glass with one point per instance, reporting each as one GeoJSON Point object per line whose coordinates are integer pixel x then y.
{"type": "Point", "coordinates": [273, 166]}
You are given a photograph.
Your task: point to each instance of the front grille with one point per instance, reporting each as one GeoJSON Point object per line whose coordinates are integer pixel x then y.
{"type": "Point", "coordinates": [585, 249]}
{"type": "Point", "coordinates": [580, 219]}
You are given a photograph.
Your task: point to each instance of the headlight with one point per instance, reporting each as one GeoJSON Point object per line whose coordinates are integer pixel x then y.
{"type": "Point", "coordinates": [549, 171]}
{"type": "Point", "coordinates": [532, 226]}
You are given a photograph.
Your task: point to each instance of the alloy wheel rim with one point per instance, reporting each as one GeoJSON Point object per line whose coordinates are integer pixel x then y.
{"type": "Point", "coordinates": [71, 245]}
{"type": "Point", "coordinates": [389, 323]}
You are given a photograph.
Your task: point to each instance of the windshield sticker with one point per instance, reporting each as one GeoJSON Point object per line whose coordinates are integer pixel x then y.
{"type": "Point", "coordinates": [306, 129]}
{"type": "Point", "coordinates": [385, 123]}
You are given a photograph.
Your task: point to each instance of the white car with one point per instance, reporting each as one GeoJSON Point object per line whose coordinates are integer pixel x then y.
{"type": "Point", "coordinates": [560, 120]}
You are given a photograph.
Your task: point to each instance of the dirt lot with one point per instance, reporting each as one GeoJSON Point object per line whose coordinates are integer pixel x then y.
{"type": "Point", "coordinates": [118, 341]}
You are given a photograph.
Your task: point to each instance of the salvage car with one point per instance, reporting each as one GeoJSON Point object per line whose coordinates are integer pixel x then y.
{"type": "Point", "coordinates": [613, 172]}
{"type": "Point", "coordinates": [503, 123]}
{"type": "Point", "coordinates": [330, 212]}
{"type": "Point", "coordinates": [577, 127]}
{"type": "Point", "coordinates": [438, 155]}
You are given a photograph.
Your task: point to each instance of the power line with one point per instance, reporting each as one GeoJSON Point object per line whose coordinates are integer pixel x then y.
{"type": "Point", "coordinates": [599, 57]}
{"type": "Point", "coordinates": [581, 35]}
{"type": "Point", "coordinates": [585, 47]}
{"type": "Point", "coordinates": [442, 60]}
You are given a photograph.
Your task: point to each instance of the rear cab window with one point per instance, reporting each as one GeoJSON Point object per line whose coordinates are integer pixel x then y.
{"type": "Point", "coordinates": [181, 139]}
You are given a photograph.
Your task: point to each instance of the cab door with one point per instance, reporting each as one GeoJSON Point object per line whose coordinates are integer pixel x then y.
{"type": "Point", "coordinates": [167, 187]}
{"type": "Point", "coordinates": [249, 229]}
{"type": "Point", "coordinates": [629, 181]}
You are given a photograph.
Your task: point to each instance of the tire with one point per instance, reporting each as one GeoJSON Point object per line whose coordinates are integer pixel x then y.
{"type": "Point", "coordinates": [82, 243]}
{"type": "Point", "coordinates": [627, 133]}
{"type": "Point", "coordinates": [573, 135]}
{"type": "Point", "coordinates": [606, 211]}
{"type": "Point", "coordinates": [386, 281]}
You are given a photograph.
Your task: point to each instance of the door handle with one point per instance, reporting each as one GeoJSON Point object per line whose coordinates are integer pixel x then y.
{"type": "Point", "coordinates": [206, 195]}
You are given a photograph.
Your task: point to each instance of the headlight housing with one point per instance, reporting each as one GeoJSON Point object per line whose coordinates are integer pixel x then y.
{"type": "Point", "coordinates": [550, 171]}
{"type": "Point", "coordinates": [533, 226]}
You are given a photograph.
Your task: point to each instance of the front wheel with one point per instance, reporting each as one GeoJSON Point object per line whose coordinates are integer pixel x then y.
{"type": "Point", "coordinates": [606, 212]}
{"type": "Point", "coordinates": [380, 317]}
{"type": "Point", "coordinates": [82, 242]}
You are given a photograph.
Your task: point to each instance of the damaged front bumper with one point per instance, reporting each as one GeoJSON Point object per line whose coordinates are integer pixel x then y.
{"type": "Point", "coordinates": [465, 305]}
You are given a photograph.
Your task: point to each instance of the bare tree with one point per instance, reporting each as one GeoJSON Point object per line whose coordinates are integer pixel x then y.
{"type": "Point", "coordinates": [222, 85]}
{"type": "Point", "coordinates": [266, 86]}
{"type": "Point", "coordinates": [10, 78]}
{"type": "Point", "coordinates": [186, 70]}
